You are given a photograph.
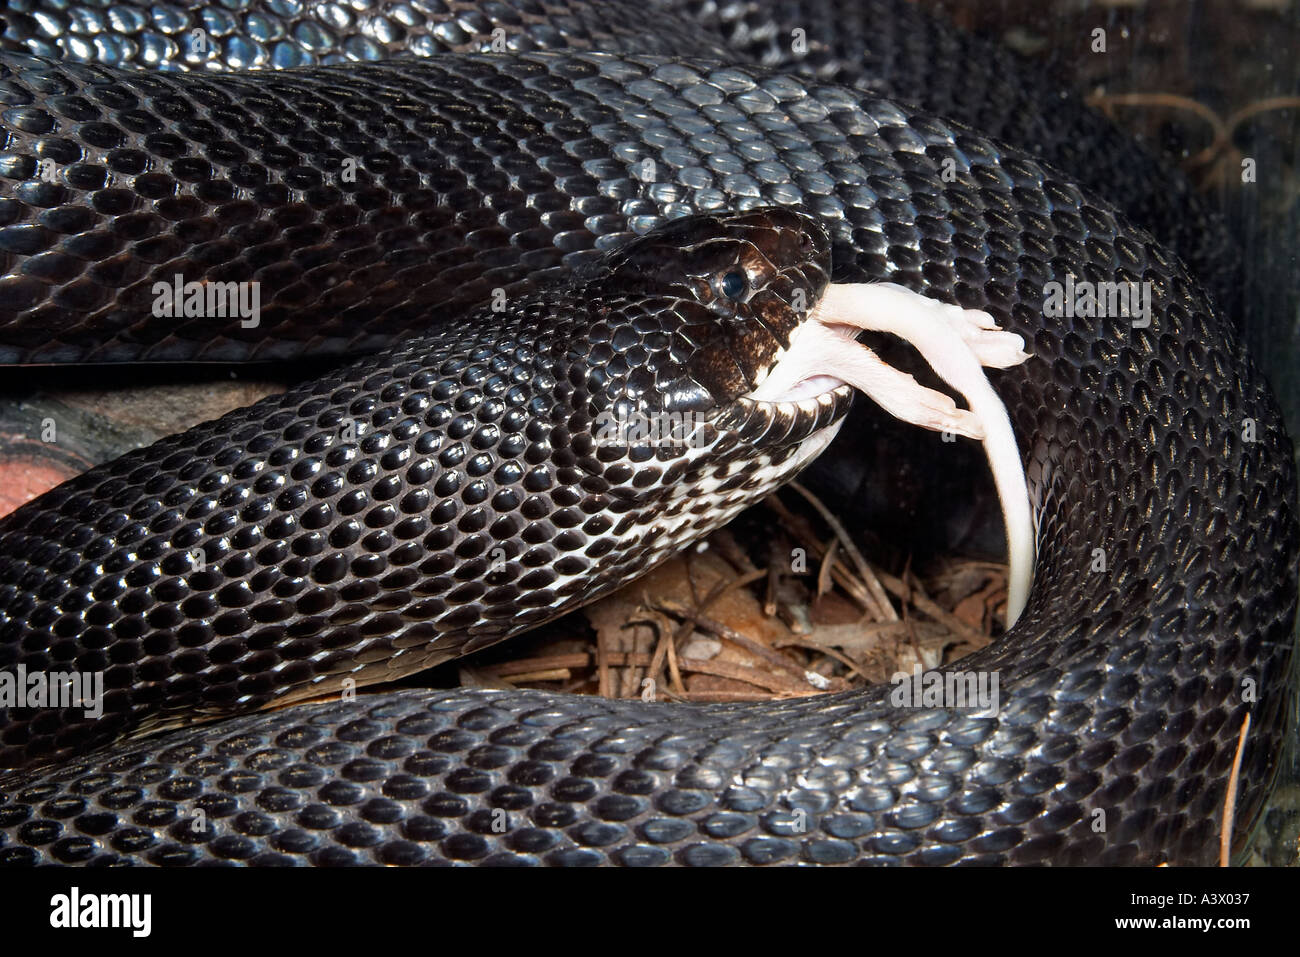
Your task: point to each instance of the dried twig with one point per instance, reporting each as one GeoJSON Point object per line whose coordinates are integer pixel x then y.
{"type": "Point", "coordinates": [726, 633]}
{"type": "Point", "coordinates": [604, 679]}
{"type": "Point", "coordinates": [864, 570]}
{"type": "Point", "coordinates": [827, 566]}
{"type": "Point", "coordinates": [923, 603]}
{"type": "Point", "coordinates": [856, 589]}
{"type": "Point", "coordinates": [843, 659]}
{"type": "Point", "coordinates": [577, 659]}
{"type": "Point", "coordinates": [554, 674]}
{"type": "Point", "coordinates": [752, 676]}
{"type": "Point", "coordinates": [720, 697]}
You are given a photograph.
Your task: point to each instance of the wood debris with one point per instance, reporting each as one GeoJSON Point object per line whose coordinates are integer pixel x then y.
{"type": "Point", "coordinates": [726, 622]}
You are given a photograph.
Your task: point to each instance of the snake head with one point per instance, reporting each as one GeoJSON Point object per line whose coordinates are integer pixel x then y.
{"type": "Point", "coordinates": [705, 305]}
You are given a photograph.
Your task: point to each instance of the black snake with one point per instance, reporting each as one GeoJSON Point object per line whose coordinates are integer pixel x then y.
{"type": "Point", "coordinates": [346, 529]}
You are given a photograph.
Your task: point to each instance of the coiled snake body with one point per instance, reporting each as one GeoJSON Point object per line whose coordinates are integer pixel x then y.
{"type": "Point", "coordinates": [345, 528]}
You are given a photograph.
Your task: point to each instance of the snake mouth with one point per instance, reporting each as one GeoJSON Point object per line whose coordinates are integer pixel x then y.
{"type": "Point", "coordinates": [808, 367]}
{"type": "Point", "coordinates": [801, 395]}
{"type": "Point", "coordinates": [817, 409]}
{"type": "Point", "coordinates": [816, 361]}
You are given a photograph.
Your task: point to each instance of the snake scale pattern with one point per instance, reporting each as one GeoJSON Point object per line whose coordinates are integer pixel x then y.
{"type": "Point", "coordinates": [332, 554]}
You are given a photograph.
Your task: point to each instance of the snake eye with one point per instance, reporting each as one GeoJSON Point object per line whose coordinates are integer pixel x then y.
{"type": "Point", "coordinates": [733, 285]}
